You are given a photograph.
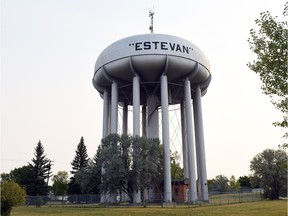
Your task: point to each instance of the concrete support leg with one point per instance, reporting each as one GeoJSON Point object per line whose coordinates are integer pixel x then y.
{"type": "Point", "coordinates": [114, 107]}
{"type": "Point", "coordinates": [165, 140]}
{"type": "Point", "coordinates": [105, 130]}
{"type": "Point", "coordinates": [190, 142]}
{"type": "Point", "coordinates": [152, 117]}
{"type": "Point", "coordinates": [136, 128]}
{"type": "Point", "coordinates": [125, 119]}
{"type": "Point", "coordinates": [184, 141]}
{"type": "Point", "coordinates": [144, 122]}
{"type": "Point", "coordinates": [105, 114]}
{"type": "Point", "coordinates": [200, 147]}
{"type": "Point", "coordinates": [114, 123]}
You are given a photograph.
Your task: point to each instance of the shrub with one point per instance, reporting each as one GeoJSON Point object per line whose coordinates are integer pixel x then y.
{"type": "Point", "coordinates": [11, 195]}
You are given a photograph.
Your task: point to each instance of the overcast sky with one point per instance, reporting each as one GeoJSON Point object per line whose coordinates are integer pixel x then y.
{"type": "Point", "coordinates": [48, 52]}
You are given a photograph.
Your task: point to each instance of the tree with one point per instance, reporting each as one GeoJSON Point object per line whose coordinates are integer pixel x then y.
{"type": "Point", "coordinates": [176, 170]}
{"type": "Point", "coordinates": [81, 158]}
{"type": "Point", "coordinates": [89, 178]}
{"type": "Point", "coordinates": [219, 184]}
{"type": "Point", "coordinates": [79, 162]}
{"type": "Point", "coordinates": [269, 43]}
{"type": "Point", "coordinates": [270, 167]}
{"type": "Point", "coordinates": [234, 183]}
{"type": "Point", "coordinates": [60, 183]}
{"type": "Point", "coordinates": [39, 172]}
{"type": "Point", "coordinates": [129, 163]}
{"type": "Point", "coordinates": [21, 176]}
{"type": "Point", "coordinates": [244, 182]}
{"type": "Point", "coordinates": [11, 195]}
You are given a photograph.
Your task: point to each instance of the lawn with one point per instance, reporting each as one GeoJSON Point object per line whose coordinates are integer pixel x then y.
{"type": "Point", "coordinates": [271, 208]}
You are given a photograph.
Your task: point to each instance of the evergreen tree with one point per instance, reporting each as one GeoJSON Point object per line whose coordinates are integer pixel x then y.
{"type": "Point", "coordinates": [79, 162]}
{"type": "Point", "coordinates": [39, 172]}
{"type": "Point", "coordinates": [81, 158]}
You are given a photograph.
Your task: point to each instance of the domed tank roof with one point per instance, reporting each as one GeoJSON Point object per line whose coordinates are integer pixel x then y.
{"type": "Point", "coordinates": [149, 56]}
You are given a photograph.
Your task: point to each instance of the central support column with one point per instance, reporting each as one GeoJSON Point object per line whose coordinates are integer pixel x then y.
{"type": "Point", "coordinates": [165, 139]}
{"type": "Point", "coordinates": [114, 107]}
{"type": "Point", "coordinates": [190, 142]}
{"type": "Point", "coordinates": [200, 147]}
{"type": "Point", "coordinates": [153, 117]}
{"type": "Point", "coordinates": [136, 129]}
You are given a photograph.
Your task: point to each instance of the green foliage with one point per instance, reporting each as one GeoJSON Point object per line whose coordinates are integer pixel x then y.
{"type": "Point", "coordinates": [89, 178]}
{"type": "Point", "coordinates": [39, 202]}
{"type": "Point", "coordinates": [269, 43]}
{"type": "Point", "coordinates": [81, 158]}
{"type": "Point", "coordinates": [176, 170]}
{"type": "Point", "coordinates": [21, 175]}
{"type": "Point", "coordinates": [60, 183]}
{"type": "Point", "coordinates": [11, 195]}
{"type": "Point", "coordinates": [5, 177]}
{"type": "Point", "coordinates": [128, 163]}
{"type": "Point", "coordinates": [234, 183]}
{"type": "Point", "coordinates": [79, 162]}
{"type": "Point", "coordinates": [244, 182]}
{"type": "Point", "coordinates": [219, 184]}
{"type": "Point", "coordinates": [39, 172]}
{"type": "Point", "coordinates": [270, 167]}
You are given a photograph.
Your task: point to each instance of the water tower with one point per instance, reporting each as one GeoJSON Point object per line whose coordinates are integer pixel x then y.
{"type": "Point", "coordinates": [148, 73]}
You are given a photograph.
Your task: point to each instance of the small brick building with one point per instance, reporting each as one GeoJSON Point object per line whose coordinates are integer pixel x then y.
{"type": "Point", "coordinates": [180, 190]}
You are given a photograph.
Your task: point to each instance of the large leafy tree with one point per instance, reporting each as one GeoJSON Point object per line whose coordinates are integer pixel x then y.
{"type": "Point", "coordinates": [269, 42]}
{"type": "Point", "coordinates": [128, 163]}
{"type": "Point", "coordinates": [244, 182]}
{"type": "Point", "coordinates": [219, 184]}
{"type": "Point", "coordinates": [60, 183]}
{"type": "Point", "coordinates": [11, 195]}
{"type": "Point", "coordinates": [89, 178]}
{"type": "Point", "coordinates": [270, 167]}
{"type": "Point", "coordinates": [79, 162]}
{"type": "Point", "coordinates": [19, 175]}
{"type": "Point", "coordinates": [39, 171]}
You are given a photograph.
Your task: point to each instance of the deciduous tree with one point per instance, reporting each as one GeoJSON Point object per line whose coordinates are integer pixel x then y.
{"type": "Point", "coordinates": [270, 167]}
{"type": "Point", "coordinates": [219, 184]}
{"type": "Point", "coordinates": [128, 163]}
{"type": "Point", "coordinates": [269, 42]}
{"type": "Point", "coordinates": [234, 183]}
{"type": "Point", "coordinates": [60, 183]}
{"type": "Point", "coordinates": [244, 182]}
{"type": "Point", "coordinates": [11, 195]}
{"type": "Point", "coordinates": [176, 170]}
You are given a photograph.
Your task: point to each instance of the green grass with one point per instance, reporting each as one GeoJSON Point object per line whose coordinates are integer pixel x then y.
{"type": "Point", "coordinates": [263, 208]}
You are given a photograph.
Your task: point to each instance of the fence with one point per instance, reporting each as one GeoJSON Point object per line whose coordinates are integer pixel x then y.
{"type": "Point", "coordinates": [234, 197]}
{"type": "Point", "coordinates": [215, 198]}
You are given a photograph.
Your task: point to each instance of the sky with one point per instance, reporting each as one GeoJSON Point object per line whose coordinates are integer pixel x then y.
{"type": "Point", "coordinates": [48, 53]}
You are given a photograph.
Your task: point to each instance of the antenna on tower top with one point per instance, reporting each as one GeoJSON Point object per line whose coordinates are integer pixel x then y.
{"type": "Point", "coordinates": [151, 14]}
